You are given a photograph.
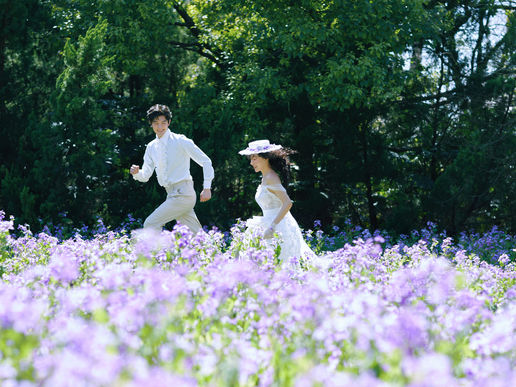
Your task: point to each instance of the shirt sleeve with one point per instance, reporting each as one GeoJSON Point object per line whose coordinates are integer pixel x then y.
{"type": "Point", "coordinates": [147, 169]}
{"type": "Point", "coordinates": [197, 155]}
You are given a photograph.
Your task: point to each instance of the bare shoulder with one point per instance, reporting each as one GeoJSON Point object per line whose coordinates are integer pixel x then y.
{"type": "Point", "coordinates": [271, 178]}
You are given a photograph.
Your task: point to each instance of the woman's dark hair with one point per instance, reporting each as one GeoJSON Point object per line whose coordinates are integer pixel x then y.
{"type": "Point", "coordinates": [280, 162]}
{"type": "Point", "coordinates": [158, 110]}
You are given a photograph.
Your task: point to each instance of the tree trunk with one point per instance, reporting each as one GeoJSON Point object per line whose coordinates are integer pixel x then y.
{"type": "Point", "coordinates": [368, 180]}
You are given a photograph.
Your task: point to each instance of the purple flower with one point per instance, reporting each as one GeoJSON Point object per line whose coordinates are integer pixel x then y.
{"type": "Point", "coordinates": [6, 225]}
{"type": "Point", "coordinates": [498, 337]}
{"type": "Point", "coordinates": [159, 377]}
{"type": "Point", "coordinates": [504, 259]}
{"type": "Point", "coordinates": [409, 330]}
{"type": "Point", "coordinates": [429, 370]}
{"type": "Point", "coordinates": [20, 310]}
{"type": "Point", "coordinates": [64, 266]}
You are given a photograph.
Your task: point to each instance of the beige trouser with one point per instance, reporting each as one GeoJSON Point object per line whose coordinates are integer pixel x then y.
{"type": "Point", "coordinates": [181, 198]}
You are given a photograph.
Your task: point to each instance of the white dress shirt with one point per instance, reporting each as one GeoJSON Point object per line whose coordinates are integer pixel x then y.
{"type": "Point", "coordinates": [170, 156]}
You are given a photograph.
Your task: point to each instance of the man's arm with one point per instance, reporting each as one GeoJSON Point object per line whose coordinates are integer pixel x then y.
{"type": "Point", "coordinates": [146, 171]}
{"type": "Point", "coordinates": [197, 155]}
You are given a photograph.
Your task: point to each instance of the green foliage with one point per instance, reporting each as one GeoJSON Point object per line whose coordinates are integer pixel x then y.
{"type": "Point", "coordinates": [19, 348]}
{"type": "Point", "coordinates": [83, 140]}
{"type": "Point", "coordinates": [401, 111]}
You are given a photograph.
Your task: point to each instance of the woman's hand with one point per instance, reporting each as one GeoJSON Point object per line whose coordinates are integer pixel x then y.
{"type": "Point", "coordinates": [269, 232]}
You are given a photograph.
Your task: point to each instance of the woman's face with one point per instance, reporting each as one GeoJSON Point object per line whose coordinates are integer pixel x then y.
{"type": "Point", "coordinates": [258, 163]}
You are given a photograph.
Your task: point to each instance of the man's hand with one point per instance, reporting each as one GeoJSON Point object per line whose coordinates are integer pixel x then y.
{"type": "Point", "coordinates": [134, 169]}
{"type": "Point", "coordinates": [205, 195]}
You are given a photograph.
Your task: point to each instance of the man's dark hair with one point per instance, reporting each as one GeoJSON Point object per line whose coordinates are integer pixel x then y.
{"type": "Point", "coordinates": [158, 110]}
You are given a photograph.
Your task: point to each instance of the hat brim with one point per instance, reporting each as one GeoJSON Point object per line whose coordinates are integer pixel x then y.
{"type": "Point", "coordinates": [251, 151]}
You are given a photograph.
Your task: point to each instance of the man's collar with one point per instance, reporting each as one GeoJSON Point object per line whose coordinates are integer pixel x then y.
{"type": "Point", "coordinates": [164, 138]}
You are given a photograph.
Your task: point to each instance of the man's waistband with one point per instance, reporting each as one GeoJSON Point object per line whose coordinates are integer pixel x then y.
{"type": "Point", "coordinates": [172, 187]}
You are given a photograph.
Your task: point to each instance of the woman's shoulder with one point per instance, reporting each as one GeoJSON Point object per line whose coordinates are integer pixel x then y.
{"type": "Point", "coordinates": [271, 178]}
{"type": "Point", "coordinates": [272, 181]}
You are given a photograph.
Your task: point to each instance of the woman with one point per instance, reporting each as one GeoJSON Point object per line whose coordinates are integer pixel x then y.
{"type": "Point", "coordinates": [272, 162]}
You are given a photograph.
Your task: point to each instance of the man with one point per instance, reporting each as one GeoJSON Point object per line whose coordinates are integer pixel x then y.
{"type": "Point", "coordinates": [169, 154]}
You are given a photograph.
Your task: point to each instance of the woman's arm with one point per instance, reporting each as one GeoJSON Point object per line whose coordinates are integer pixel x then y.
{"type": "Point", "coordinates": [286, 204]}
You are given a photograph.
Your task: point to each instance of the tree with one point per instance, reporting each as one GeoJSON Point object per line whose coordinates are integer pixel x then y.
{"type": "Point", "coordinates": [28, 66]}
{"type": "Point", "coordinates": [401, 111]}
{"type": "Point", "coordinates": [456, 122]}
{"type": "Point", "coordinates": [311, 82]}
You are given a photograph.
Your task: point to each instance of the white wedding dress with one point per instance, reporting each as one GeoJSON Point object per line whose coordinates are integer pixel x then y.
{"type": "Point", "coordinates": [291, 239]}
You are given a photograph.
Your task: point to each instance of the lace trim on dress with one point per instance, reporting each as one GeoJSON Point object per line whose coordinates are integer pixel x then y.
{"type": "Point", "coordinates": [275, 187]}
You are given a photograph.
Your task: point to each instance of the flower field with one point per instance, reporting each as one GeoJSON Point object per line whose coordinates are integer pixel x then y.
{"type": "Point", "coordinates": [215, 309]}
